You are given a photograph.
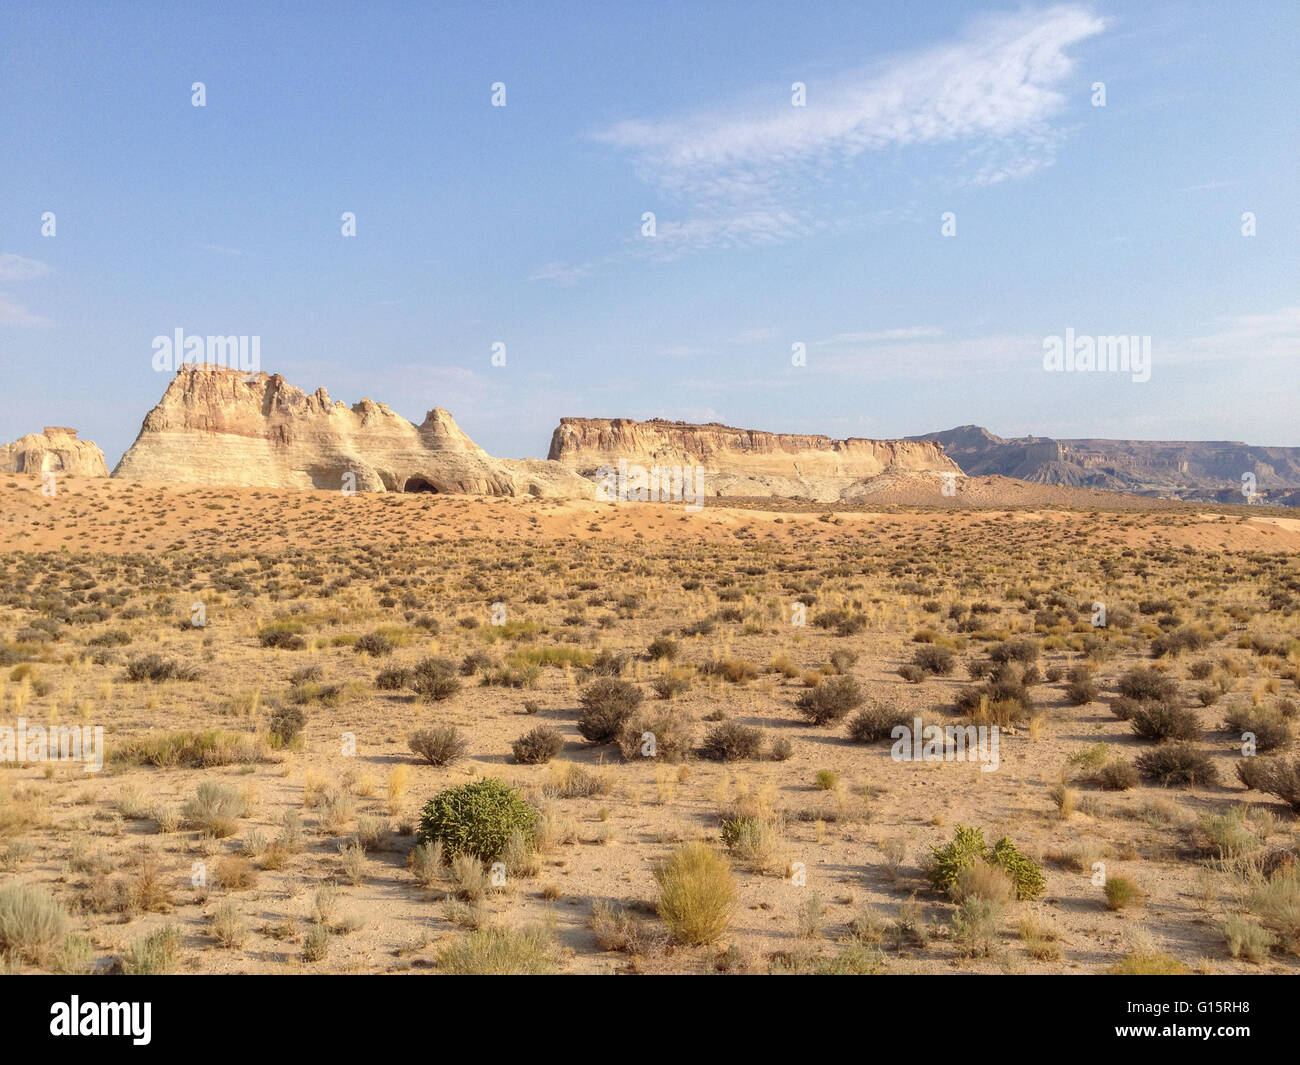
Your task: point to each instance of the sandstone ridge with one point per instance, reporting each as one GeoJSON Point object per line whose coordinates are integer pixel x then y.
{"type": "Point", "coordinates": [54, 450]}
{"type": "Point", "coordinates": [223, 427]}
{"type": "Point", "coordinates": [746, 462]}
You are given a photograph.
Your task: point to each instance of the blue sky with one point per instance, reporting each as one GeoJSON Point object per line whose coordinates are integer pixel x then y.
{"type": "Point", "coordinates": [775, 224]}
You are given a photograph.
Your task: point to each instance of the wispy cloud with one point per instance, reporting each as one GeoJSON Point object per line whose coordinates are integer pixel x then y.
{"type": "Point", "coordinates": [17, 268]}
{"type": "Point", "coordinates": [741, 172]}
{"type": "Point", "coordinates": [12, 313]}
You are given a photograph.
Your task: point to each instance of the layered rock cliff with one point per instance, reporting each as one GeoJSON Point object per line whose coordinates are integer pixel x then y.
{"type": "Point", "coordinates": [744, 462]}
{"type": "Point", "coordinates": [1183, 469]}
{"type": "Point", "coordinates": [54, 450]}
{"type": "Point", "coordinates": [223, 427]}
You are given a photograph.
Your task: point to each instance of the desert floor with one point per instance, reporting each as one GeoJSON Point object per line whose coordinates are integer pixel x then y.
{"type": "Point", "coordinates": [312, 871]}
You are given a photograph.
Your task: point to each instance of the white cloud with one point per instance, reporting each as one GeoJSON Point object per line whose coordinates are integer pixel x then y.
{"type": "Point", "coordinates": [17, 268]}
{"type": "Point", "coordinates": [12, 313]}
{"type": "Point", "coordinates": [743, 170]}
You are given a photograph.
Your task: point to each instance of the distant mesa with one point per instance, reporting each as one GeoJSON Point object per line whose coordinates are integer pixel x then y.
{"type": "Point", "coordinates": [219, 426]}
{"type": "Point", "coordinates": [53, 450]}
{"type": "Point", "coordinates": [1207, 470]}
{"type": "Point", "coordinates": [742, 463]}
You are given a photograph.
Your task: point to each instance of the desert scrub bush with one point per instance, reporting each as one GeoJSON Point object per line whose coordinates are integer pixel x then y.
{"type": "Point", "coordinates": [227, 926]}
{"type": "Point", "coordinates": [672, 683]}
{"type": "Point", "coordinates": [32, 923]}
{"type": "Point", "coordinates": [696, 894]}
{"type": "Point", "coordinates": [441, 745]}
{"type": "Point", "coordinates": [935, 660]}
{"type": "Point", "coordinates": [606, 703]}
{"type": "Point", "coordinates": [877, 721]}
{"type": "Point", "coordinates": [153, 954]}
{"type": "Point", "coordinates": [968, 849]}
{"type": "Point", "coordinates": [375, 644]}
{"type": "Point", "coordinates": [1177, 765]}
{"type": "Point", "coordinates": [844, 622]}
{"type": "Point", "coordinates": [975, 925]}
{"type": "Point", "coordinates": [476, 819]}
{"type": "Point", "coordinates": [191, 750]}
{"type": "Point", "coordinates": [434, 680]}
{"type": "Point", "coordinates": [492, 951]}
{"type": "Point", "coordinates": [215, 809]}
{"type": "Point", "coordinates": [1081, 689]}
{"type": "Point", "coordinates": [618, 929]}
{"type": "Point", "coordinates": [1276, 902]}
{"type": "Point", "coordinates": [1041, 939]}
{"type": "Point", "coordinates": [1246, 939]}
{"type": "Point", "coordinates": [286, 722]}
{"type": "Point", "coordinates": [1224, 835]}
{"type": "Point", "coordinates": [730, 741]}
{"type": "Point", "coordinates": [1162, 721]}
{"type": "Point", "coordinates": [735, 670]}
{"type": "Point", "coordinates": [1275, 776]}
{"type": "Point", "coordinates": [1148, 963]}
{"type": "Point", "coordinates": [426, 862]}
{"type": "Point", "coordinates": [1270, 729]}
{"type": "Point", "coordinates": [659, 733]}
{"type": "Point", "coordinates": [392, 679]}
{"type": "Point", "coordinates": [156, 668]}
{"type": "Point", "coordinates": [1144, 683]}
{"type": "Point", "coordinates": [754, 841]}
{"type": "Point", "coordinates": [1178, 642]}
{"type": "Point", "coordinates": [283, 639]}
{"type": "Point", "coordinates": [1123, 892]}
{"type": "Point", "coordinates": [537, 746]}
{"type": "Point", "coordinates": [833, 699]}
{"type": "Point", "coordinates": [662, 647]}
{"type": "Point", "coordinates": [1024, 651]}
{"type": "Point", "coordinates": [571, 781]}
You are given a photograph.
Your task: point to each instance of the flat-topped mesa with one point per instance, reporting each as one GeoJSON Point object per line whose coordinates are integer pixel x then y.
{"type": "Point", "coordinates": [55, 449]}
{"type": "Point", "coordinates": [219, 426]}
{"type": "Point", "coordinates": [745, 462]}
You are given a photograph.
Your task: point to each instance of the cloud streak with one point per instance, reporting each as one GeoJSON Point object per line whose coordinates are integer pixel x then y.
{"type": "Point", "coordinates": [742, 171]}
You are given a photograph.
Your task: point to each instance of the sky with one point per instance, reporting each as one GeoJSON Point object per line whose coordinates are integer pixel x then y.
{"type": "Point", "coordinates": [890, 258]}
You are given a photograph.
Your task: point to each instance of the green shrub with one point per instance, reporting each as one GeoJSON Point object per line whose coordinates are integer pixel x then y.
{"type": "Point", "coordinates": [1020, 867]}
{"type": "Point", "coordinates": [968, 847]}
{"type": "Point", "coordinates": [477, 819]}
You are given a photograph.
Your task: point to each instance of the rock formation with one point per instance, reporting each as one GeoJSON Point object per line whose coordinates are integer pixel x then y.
{"type": "Point", "coordinates": [1183, 469]}
{"type": "Point", "coordinates": [223, 427]}
{"type": "Point", "coordinates": [56, 450]}
{"type": "Point", "coordinates": [745, 462]}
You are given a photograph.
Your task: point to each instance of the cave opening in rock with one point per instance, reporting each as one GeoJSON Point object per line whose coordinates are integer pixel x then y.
{"type": "Point", "coordinates": [418, 484]}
